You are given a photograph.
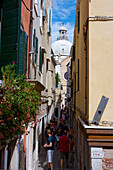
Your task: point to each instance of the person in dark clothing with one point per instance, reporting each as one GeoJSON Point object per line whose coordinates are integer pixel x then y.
{"type": "Point", "coordinates": [46, 129]}
{"type": "Point", "coordinates": [50, 147]}
{"type": "Point", "coordinates": [65, 128]}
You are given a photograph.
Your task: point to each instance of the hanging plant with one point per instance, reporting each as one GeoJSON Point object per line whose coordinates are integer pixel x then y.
{"type": "Point", "coordinates": [18, 106]}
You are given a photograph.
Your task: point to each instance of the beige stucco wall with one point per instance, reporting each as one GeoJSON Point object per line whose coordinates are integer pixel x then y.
{"type": "Point", "coordinates": [83, 7]}
{"type": "Point", "coordinates": [101, 58]}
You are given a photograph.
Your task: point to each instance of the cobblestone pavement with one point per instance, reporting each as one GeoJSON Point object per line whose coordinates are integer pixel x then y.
{"type": "Point", "coordinates": [42, 164]}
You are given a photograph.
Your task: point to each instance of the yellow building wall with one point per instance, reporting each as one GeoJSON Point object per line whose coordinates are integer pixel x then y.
{"type": "Point", "coordinates": [101, 58]}
{"type": "Point", "coordinates": [83, 7]}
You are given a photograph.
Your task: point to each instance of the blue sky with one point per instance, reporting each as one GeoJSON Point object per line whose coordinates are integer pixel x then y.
{"type": "Point", "coordinates": [63, 11]}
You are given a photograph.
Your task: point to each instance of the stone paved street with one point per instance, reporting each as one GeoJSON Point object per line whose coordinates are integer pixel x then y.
{"type": "Point", "coordinates": [42, 165]}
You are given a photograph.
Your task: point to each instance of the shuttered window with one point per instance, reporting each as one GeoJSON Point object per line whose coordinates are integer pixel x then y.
{"type": "Point", "coordinates": [49, 21]}
{"type": "Point", "coordinates": [73, 52]}
{"type": "Point", "coordinates": [44, 8]}
{"type": "Point", "coordinates": [10, 32]}
{"type": "Point", "coordinates": [40, 60]}
{"type": "Point", "coordinates": [34, 39]}
{"type": "Point", "coordinates": [35, 45]}
{"type": "Point", "coordinates": [36, 50]}
{"type": "Point", "coordinates": [78, 21]}
{"type": "Point", "coordinates": [23, 53]}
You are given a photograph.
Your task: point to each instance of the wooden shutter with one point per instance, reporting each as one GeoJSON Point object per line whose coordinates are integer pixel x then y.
{"type": "Point", "coordinates": [10, 30]}
{"type": "Point", "coordinates": [44, 8]}
{"type": "Point", "coordinates": [23, 53]}
{"type": "Point", "coordinates": [36, 48]}
{"type": "Point", "coordinates": [34, 39]}
{"type": "Point", "coordinates": [40, 60]}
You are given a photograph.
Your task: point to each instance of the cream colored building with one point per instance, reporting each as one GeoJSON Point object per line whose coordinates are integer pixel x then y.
{"type": "Point", "coordinates": [92, 83]}
{"type": "Point", "coordinates": [41, 74]}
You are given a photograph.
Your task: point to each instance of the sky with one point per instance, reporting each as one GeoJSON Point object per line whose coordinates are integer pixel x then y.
{"type": "Point", "coordinates": [63, 11]}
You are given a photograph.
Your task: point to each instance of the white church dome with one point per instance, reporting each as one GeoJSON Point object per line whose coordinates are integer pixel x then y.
{"type": "Point", "coordinates": [62, 46]}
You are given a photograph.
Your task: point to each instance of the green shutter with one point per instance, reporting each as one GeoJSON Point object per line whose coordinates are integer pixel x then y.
{"type": "Point", "coordinates": [36, 48]}
{"type": "Point", "coordinates": [10, 32]}
{"type": "Point", "coordinates": [34, 39]}
{"type": "Point", "coordinates": [23, 53]}
{"type": "Point", "coordinates": [40, 60]}
{"type": "Point", "coordinates": [35, 58]}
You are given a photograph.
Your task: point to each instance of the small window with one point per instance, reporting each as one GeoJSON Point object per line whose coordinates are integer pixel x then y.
{"type": "Point", "coordinates": [78, 75]}
{"type": "Point", "coordinates": [78, 21]}
{"type": "Point", "coordinates": [44, 8]}
{"type": "Point", "coordinates": [40, 60]}
{"type": "Point", "coordinates": [46, 65]}
{"type": "Point", "coordinates": [66, 75]}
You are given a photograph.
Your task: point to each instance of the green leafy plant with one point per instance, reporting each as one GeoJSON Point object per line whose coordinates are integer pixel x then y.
{"type": "Point", "coordinates": [19, 105]}
{"type": "Point", "coordinates": [57, 79]}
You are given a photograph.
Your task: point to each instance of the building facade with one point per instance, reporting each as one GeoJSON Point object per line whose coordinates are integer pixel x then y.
{"type": "Point", "coordinates": [61, 50]}
{"type": "Point", "coordinates": [25, 38]}
{"type": "Point", "coordinates": [92, 84]}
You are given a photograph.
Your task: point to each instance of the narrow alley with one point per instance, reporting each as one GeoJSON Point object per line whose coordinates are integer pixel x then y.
{"type": "Point", "coordinates": [42, 164]}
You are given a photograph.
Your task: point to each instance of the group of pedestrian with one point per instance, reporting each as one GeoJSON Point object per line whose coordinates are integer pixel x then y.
{"type": "Point", "coordinates": [61, 135]}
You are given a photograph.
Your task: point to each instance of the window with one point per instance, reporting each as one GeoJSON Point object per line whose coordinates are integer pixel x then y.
{"type": "Point", "coordinates": [71, 89]}
{"type": "Point", "coordinates": [44, 8]}
{"type": "Point", "coordinates": [49, 21]}
{"type": "Point", "coordinates": [41, 9]}
{"type": "Point", "coordinates": [23, 53]}
{"type": "Point", "coordinates": [46, 65]}
{"type": "Point", "coordinates": [36, 7]}
{"type": "Point", "coordinates": [78, 75]}
{"type": "Point", "coordinates": [66, 75]}
{"type": "Point", "coordinates": [73, 52]}
{"type": "Point", "coordinates": [40, 60]}
{"type": "Point", "coordinates": [35, 46]}
{"type": "Point", "coordinates": [34, 137]}
{"type": "Point", "coordinates": [56, 111]}
{"type": "Point", "coordinates": [78, 21]}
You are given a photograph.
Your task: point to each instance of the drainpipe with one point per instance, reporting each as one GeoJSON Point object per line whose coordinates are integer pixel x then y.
{"type": "Point", "coordinates": [85, 41]}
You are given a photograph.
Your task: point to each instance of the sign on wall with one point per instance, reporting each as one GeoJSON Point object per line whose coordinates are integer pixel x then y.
{"type": "Point", "coordinates": [100, 109]}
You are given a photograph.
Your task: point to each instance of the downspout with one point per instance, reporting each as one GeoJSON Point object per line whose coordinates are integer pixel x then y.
{"type": "Point", "coordinates": [85, 28]}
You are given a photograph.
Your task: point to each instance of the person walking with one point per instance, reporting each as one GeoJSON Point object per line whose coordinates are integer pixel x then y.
{"type": "Point", "coordinates": [64, 149]}
{"type": "Point", "coordinates": [50, 147]}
